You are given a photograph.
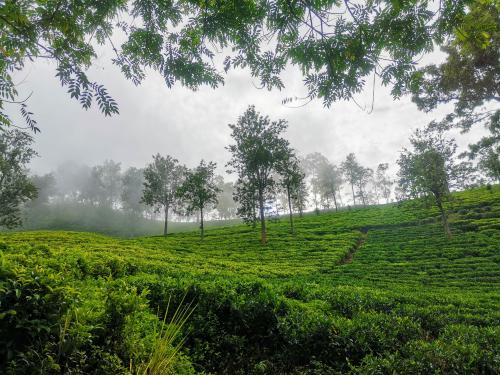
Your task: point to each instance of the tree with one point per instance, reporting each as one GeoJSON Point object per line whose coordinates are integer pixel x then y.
{"type": "Point", "coordinates": [329, 180]}
{"type": "Point", "coordinates": [429, 170]}
{"type": "Point", "coordinates": [383, 183]}
{"type": "Point", "coordinates": [292, 178]}
{"type": "Point", "coordinates": [337, 45]}
{"type": "Point", "coordinates": [246, 197]}
{"type": "Point", "coordinates": [299, 199]}
{"type": "Point", "coordinates": [199, 190]}
{"type": "Point", "coordinates": [487, 150]}
{"type": "Point", "coordinates": [469, 80]}
{"type": "Point", "coordinates": [256, 154]}
{"type": "Point", "coordinates": [71, 180]}
{"type": "Point", "coordinates": [365, 176]}
{"type": "Point", "coordinates": [313, 163]}
{"type": "Point", "coordinates": [226, 206]}
{"type": "Point", "coordinates": [103, 185]}
{"type": "Point", "coordinates": [15, 185]}
{"type": "Point", "coordinates": [131, 194]}
{"type": "Point", "coordinates": [162, 179]}
{"type": "Point", "coordinates": [45, 188]}
{"type": "Point", "coordinates": [352, 171]}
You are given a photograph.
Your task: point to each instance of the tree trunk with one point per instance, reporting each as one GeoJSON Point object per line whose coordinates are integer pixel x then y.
{"type": "Point", "coordinates": [166, 221]}
{"type": "Point", "coordinates": [316, 203]}
{"type": "Point", "coordinates": [254, 215]}
{"type": "Point", "coordinates": [353, 196]}
{"type": "Point", "coordinates": [335, 201]}
{"type": "Point", "coordinates": [340, 197]}
{"type": "Point", "coordinates": [263, 233]}
{"type": "Point", "coordinates": [444, 219]}
{"type": "Point", "coordinates": [201, 223]}
{"type": "Point", "coordinates": [301, 210]}
{"type": "Point", "coordinates": [290, 208]}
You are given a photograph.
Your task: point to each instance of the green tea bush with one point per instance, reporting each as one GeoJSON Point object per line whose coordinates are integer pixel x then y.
{"type": "Point", "coordinates": [370, 291]}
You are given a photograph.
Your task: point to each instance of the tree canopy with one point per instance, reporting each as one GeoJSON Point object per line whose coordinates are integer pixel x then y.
{"type": "Point", "coordinates": [469, 79]}
{"type": "Point", "coordinates": [163, 176]}
{"type": "Point", "coordinates": [199, 190]}
{"type": "Point", "coordinates": [337, 46]}
{"type": "Point", "coordinates": [15, 185]}
{"type": "Point", "coordinates": [257, 153]}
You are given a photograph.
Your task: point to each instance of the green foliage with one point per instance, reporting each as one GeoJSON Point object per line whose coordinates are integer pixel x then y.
{"type": "Point", "coordinates": [407, 300]}
{"type": "Point", "coordinates": [469, 79]}
{"type": "Point", "coordinates": [53, 326]}
{"type": "Point", "coordinates": [469, 75]}
{"type": "Point", "coordinates": [429, 171]}
{"type": "Point", "coordinates": [199, 191]}
{"type": "Point", "coordinates": [357, 176]}
{"type": "Point", "coordinates": [292, 182]}
{"type": "Point", "coordinates": [163, 177]}
{"type": "Point", "coordinates": [258, 152]}
{"type": "Point", "coordinates": [15, 186]}
{"type": "Point", "coordinates": [336, 45]}
{"type": "Point", "coordinates": [383, 183]}
{"type": "Point", "coordinates": [313, 164]}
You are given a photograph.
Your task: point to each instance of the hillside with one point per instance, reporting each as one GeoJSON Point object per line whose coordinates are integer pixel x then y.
{"type": "Point", "coordinates": [372, 290]}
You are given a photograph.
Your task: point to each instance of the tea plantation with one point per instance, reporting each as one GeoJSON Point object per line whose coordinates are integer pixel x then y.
{"type": "Point", "coordinates": [378, 290]}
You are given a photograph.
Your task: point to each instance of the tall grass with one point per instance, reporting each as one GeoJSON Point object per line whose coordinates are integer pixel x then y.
{"type": "Point", "coordinates": [168, 343]}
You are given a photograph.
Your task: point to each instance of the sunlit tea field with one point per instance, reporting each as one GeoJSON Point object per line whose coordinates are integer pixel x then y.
{"type": "Point", "coordinates": [364, 291]}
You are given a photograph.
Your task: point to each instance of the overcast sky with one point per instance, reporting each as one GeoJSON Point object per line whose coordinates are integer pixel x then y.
{"type": "Point", "coordinates": [193, 125]}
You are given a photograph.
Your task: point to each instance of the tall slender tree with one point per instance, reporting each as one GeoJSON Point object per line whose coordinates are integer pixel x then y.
{"type": "Point", "coordinates": [330, 181]}
{"type": "Point", "coordinates": [313, 163]}
{"type": "Point", "coordinates": [162, 179]}
{"type": "Point", "coordinates": [256, 154]}
{"type": "Point", "coordinates": [300, 197]}
{"type": "Point", "coordinates": [131, 194]}
{"type": "Point", "coordinates": [292, 178]}
{"type": "Point", "coordinates": [351, 169]}
{"type": "Point", "coordinates": [365, 176]}
{"type": "Point", "coordinates": [383, 183]}
{"type": "Point", "coordinates": [199, 190]}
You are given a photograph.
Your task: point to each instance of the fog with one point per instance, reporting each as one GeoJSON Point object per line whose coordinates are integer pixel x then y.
{"type": "Point", "coordinates": [193, 125]}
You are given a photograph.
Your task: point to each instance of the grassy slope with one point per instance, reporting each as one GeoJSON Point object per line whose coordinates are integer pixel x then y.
{"type": "Point", "coordinates": [383, 277]}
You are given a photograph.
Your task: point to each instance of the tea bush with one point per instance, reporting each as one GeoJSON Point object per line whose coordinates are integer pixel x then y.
{"type": "Point", "coordinates": [364, 291]}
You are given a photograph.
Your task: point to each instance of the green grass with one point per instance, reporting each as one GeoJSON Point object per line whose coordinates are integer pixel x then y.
{"type": "Point", "coordinates": [372, 290]}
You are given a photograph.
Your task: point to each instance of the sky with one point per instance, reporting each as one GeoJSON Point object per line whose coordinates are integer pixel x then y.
{"type": "Point", "coordinates": [191, 125]}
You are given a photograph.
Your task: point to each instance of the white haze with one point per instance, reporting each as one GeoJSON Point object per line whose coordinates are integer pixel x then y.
{"type": "Point", "coordinates": [193, 125]}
